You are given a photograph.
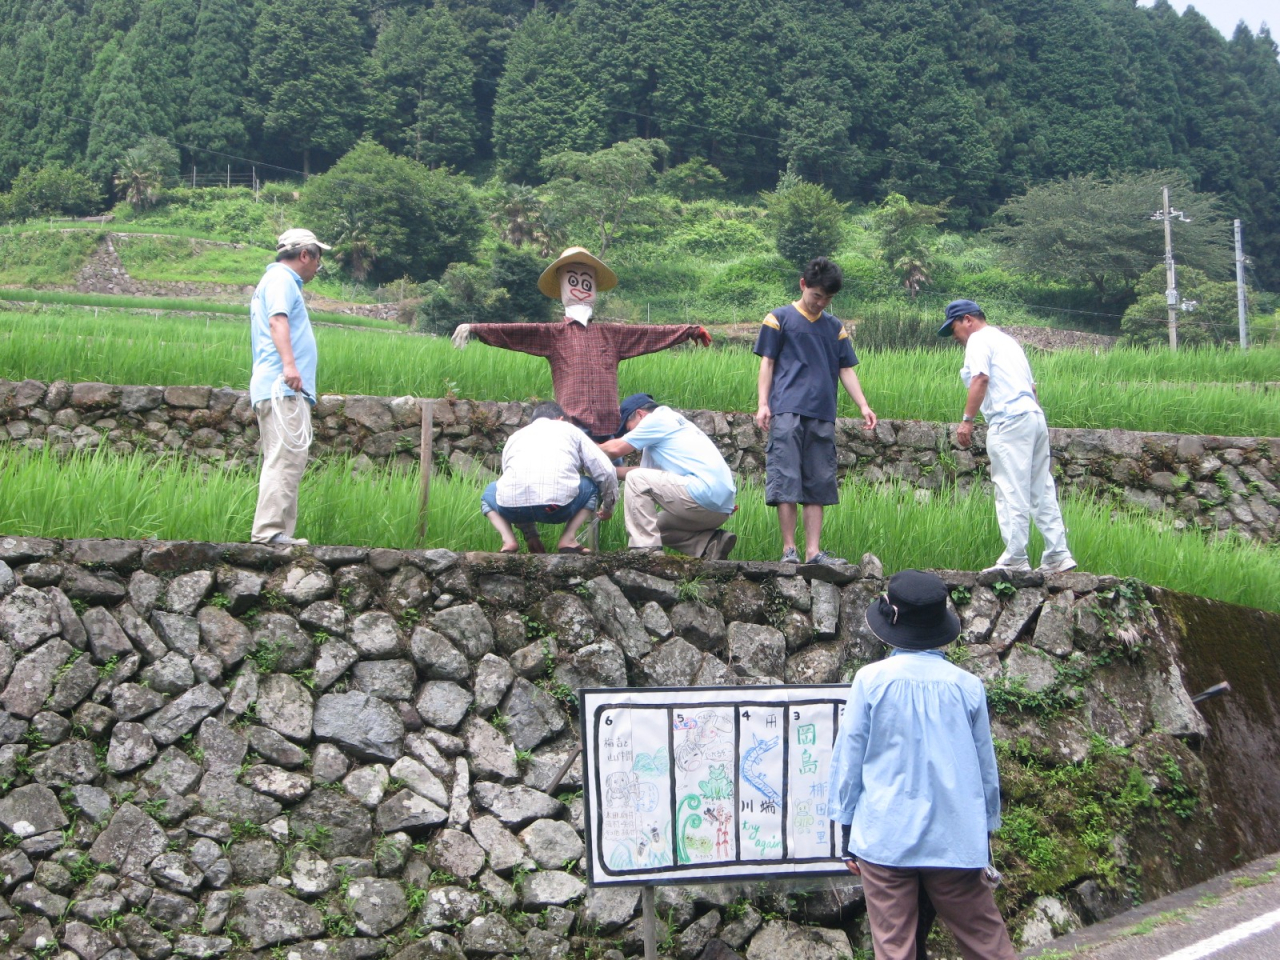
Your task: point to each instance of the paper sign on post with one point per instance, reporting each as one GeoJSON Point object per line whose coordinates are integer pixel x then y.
{"type": "Point", "coordinates": [699, 784]}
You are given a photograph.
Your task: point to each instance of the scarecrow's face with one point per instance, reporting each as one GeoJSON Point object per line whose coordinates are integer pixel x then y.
{"type": "Point", "coordinates": [578, 287]}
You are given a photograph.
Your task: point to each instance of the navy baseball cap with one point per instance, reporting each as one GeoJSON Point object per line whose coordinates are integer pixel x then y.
{"type": "Point", "coordinates": [630, 406]}
{"type": "Point", "coordinates": [955, 310]}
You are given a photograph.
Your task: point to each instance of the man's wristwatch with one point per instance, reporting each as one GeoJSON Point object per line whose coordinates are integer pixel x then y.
{"type": "Point", "coordinates": [965, 418]}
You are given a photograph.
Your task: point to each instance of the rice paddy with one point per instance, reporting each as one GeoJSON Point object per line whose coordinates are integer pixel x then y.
{"type": "Point", "coordinates": [105, 495]}
{"type": "Point", "coordinates": [1193, 391]}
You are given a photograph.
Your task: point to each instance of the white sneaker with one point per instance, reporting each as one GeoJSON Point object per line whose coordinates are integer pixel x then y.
{"type": "Point", "coordinates": [1051, 567]}
{"type": "Point", "coordinates": [280, 540]}
{"type": "Point", "coordinates": [1008, 571]}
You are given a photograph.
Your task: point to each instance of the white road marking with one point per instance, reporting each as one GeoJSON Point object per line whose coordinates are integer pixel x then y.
{"type": "Point", "coordinates": [1226, 938]}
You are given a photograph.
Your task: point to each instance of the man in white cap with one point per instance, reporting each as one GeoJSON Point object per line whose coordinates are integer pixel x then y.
{"type": "Point", "coordinates": [282, 387]}
{"type": "Point", "coordinates": [1000, 384]}
{"type": "Point", "coordinates": [584, 356]}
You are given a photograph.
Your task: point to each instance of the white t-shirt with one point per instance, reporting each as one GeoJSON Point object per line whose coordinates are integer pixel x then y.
{"type": "Point", "coordinates": [1010, 386]}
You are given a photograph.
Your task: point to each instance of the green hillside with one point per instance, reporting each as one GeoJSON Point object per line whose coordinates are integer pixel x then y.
{"type": "Point", "coordinates": [968, 103]}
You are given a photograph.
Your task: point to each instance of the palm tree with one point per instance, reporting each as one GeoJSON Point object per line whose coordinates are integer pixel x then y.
{"type": "Point", "coordinates": [355, 249]}
{"type": "Point", "coordinates": [517, 214]}
{"type": "Point", "coordinates": [141, 171]}
{"type": "Point", "coordinates": [914, 270]}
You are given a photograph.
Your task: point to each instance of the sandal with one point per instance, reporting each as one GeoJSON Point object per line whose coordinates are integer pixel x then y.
{"type": "Point", "coordinates": [576, 548]}
{"type": "Point", "coordinates": [515, 549]}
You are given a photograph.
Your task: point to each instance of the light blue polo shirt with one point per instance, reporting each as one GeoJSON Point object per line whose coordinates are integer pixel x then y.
{"type": "Point", "coordinates": [280, 291]}
{"type": "Point", "coordinates": [672, 443]}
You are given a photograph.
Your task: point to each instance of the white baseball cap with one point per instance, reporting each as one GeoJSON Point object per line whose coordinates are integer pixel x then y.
{"type": "Point", "coordinates": [297, 237]}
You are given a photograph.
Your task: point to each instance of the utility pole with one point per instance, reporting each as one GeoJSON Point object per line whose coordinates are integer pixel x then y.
{"type": "Point", "coordinates": [1171, 276]}
{"type": "Point", "coordinates": [1241, 302]}
{"type": "Point", "coordinates": [1171, 273]}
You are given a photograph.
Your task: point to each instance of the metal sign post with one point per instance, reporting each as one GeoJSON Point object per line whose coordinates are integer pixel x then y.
{"type": "Point", "coordinates": [650, 915]}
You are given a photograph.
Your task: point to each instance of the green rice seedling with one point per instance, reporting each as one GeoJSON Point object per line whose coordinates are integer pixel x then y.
{"type": "Point", "coordinates": [1194, 391]}
{"type": "Point", "coordinates": [106, 495]}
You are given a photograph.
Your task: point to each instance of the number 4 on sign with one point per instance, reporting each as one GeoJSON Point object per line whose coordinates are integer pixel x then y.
{"type": "Point", "coordinates": [746, 714]}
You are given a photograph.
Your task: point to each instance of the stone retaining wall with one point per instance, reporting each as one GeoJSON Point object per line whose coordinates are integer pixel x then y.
{"type": "Point", "coordinates": [1216, 483]}
{"type": "Point", "coordinates": [211, 750]}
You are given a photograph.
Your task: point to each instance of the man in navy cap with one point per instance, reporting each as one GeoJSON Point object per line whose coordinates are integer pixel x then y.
{"type": "Point", "coordinates": [1000, 384]}
{"type": "Point", "coordinates": [682, 492]}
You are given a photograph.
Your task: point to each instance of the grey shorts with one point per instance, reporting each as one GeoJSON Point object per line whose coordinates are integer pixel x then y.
{"type": "Point", "coordinates": [800, 461]}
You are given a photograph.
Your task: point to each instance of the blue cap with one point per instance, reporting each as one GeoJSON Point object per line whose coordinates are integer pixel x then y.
{"type": "Point", "coordinates": [630, 406]}
{"type": "Point", "coordinates": [955, 310]}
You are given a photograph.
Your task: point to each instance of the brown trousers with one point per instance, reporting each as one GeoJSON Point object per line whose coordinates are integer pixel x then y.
{"type": "Point", "coordinates": [962, 898]}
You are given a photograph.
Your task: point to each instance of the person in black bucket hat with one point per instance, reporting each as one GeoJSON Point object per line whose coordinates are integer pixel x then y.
{"type": "Point", "coordinates": [914, 781]}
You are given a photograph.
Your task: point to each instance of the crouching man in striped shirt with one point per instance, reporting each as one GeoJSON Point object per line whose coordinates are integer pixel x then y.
{"type": "Point", "coordinates": [552, 473]}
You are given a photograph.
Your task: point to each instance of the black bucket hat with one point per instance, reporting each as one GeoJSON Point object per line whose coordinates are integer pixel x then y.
{"type": "Point", "coordinates": [913, 615]}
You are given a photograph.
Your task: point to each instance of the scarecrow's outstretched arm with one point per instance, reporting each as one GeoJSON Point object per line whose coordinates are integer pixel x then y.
{"type": "Point", "coordinates": [634, 341]}
{"type": "Point", "coordinates": [532, 338]}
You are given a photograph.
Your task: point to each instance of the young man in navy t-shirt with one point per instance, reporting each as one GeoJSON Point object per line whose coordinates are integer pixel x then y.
{"type": "Point", "coordinates": [804, 353]}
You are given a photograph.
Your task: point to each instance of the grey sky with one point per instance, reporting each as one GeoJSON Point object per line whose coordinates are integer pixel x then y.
{"type": "Point", "coordinates": [1225, 14]}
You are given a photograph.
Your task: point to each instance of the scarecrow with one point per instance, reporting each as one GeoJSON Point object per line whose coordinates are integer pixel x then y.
{"type": "Point", "coordinates": [584, 356]}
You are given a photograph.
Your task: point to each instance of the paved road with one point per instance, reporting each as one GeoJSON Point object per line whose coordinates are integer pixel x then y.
{"type": "Point", "coordinates": [1232, 917]}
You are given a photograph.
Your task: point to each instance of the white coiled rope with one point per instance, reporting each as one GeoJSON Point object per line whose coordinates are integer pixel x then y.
{"type": "Point", "coordinates": [295, 429]}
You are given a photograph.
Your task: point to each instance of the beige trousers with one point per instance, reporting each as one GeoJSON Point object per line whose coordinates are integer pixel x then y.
{"type": "Point", "coordinates": [282, 468]}
{"type": "Point", "coordinates": [682, 525]}
{"type": "Point", "coordinates": [962, 898]}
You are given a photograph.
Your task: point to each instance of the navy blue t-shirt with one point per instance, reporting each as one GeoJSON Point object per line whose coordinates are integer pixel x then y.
{"type": "Point", "coordinates": [808, 356]}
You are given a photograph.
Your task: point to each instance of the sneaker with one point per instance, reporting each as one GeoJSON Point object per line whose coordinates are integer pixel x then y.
{"type": "Point", "coordinates": [1051, 567]}
{"type": "Point", "coordinates": [280, 540]}
{"type": "Point", "coordinates": [1007, 570]}
{"type": "Point", "coordinates": [790, 555]}
{"type": "Point", "coordinates": [720, 545]}
{"type": "Point", "coordinates": [827, 560]}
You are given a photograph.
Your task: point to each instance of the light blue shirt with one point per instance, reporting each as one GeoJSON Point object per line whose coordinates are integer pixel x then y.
{"type": "Point", "coordinates": [672, 443]}
{"type": "Point", "coordinates": [914, 771]}
{"type": "Point", "coordinates": [280, 291]}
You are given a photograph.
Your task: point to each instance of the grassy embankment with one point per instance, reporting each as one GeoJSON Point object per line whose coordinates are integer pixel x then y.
{"type": "Point", "coordinates": [1193, 391]}
{"type": "Point", "coordinates": [119, 305]}
{"type": "Point", "coordinates": [103, 495]}
{"type": "Point", "coordinates": [705, 261]}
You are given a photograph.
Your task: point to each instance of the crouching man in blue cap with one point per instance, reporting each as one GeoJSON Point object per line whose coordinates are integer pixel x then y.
{"type": "Point", "coordinates": [914, 780]}
{"type": "Point", "coordinates": [682, 492]}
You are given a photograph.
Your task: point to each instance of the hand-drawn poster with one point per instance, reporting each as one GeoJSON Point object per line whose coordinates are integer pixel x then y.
{"type": "Point", "coordinates": [709, 783]}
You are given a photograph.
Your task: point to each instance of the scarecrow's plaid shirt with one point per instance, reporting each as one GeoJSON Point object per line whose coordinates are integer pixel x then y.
{"type": "Point", "coordinates": [584, 360]}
